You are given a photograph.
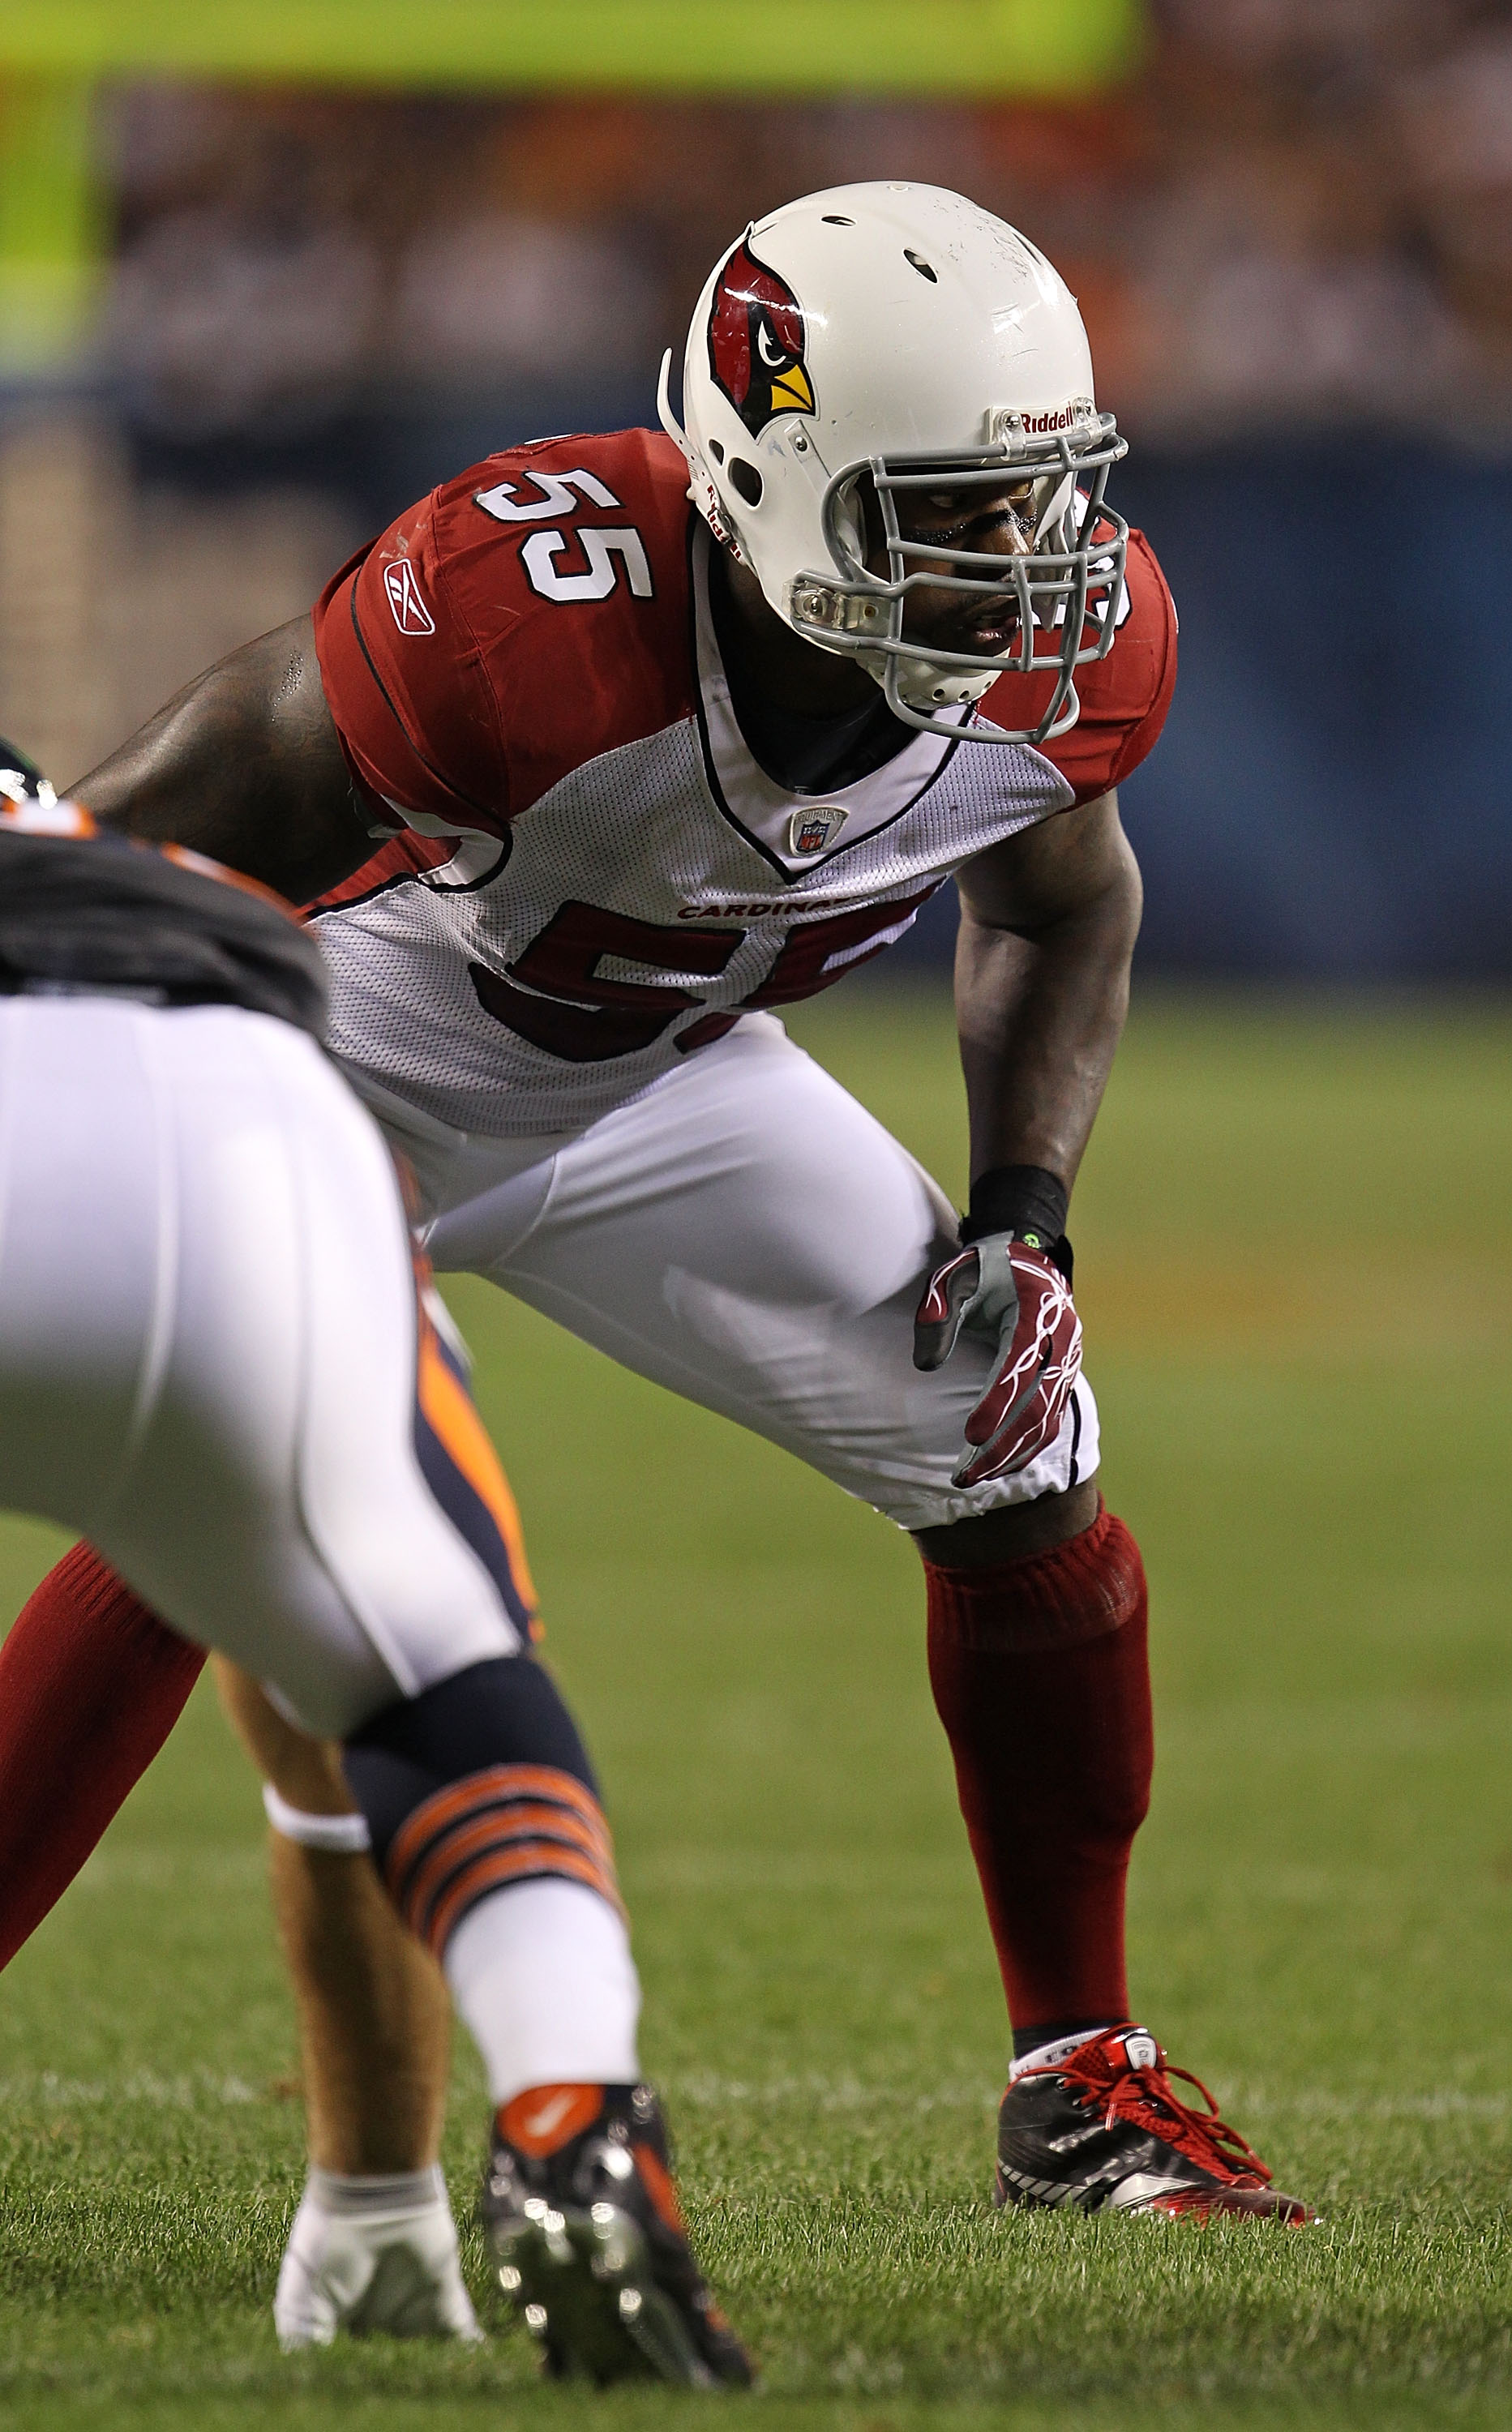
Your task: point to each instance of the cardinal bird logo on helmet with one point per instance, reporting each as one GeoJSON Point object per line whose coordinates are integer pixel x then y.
{"type": "Point", "coordinates": [756, 342]}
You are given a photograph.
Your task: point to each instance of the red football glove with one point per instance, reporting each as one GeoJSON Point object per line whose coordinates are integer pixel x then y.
{"type": "Point", "coordinates": [1016, 1299]}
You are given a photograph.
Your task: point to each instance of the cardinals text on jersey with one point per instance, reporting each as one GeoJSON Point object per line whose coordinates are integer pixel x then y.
{"type": "Point", "coordinates": [595, 878]}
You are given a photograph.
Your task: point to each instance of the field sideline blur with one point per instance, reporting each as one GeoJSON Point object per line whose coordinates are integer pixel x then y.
{"type": "Point", "coordinates": [1288, 221]}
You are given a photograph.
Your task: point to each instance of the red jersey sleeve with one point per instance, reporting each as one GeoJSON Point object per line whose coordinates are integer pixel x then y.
{"type": "Point", "coordinates": [1124, 697]}
{"type": "Point", "coordinates": [406, 683]}
{"type": "Point", "coordinates": [522, 620]}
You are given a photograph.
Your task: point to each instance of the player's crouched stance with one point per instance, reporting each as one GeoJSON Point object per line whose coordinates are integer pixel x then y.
{"type": "Point", "coordinates": [665, 732]}
{"type": "Point", "coordinates": [221, 1360]}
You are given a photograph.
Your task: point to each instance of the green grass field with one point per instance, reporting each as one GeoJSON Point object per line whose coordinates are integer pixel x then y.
{"type": "Point", "coordinates": [1296, 1269]}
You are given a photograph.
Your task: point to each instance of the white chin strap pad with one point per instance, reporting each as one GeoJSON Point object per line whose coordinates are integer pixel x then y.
{"type": "Point", "coordinates": [923, 684]}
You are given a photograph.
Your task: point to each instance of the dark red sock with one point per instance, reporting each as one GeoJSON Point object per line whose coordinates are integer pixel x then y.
{"type": "Point", "coordinates": [90, 1686]}
{"type": "Point", "coordinates": [1042, 1680]}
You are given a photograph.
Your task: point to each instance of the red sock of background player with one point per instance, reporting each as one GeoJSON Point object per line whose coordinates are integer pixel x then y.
{"type": "Point", "coordinates": [90, 1686]}
{"type": "Point", "coordinates": [1040, 1677]}
{"type": "Point", "coordinates": [1039, 1671]}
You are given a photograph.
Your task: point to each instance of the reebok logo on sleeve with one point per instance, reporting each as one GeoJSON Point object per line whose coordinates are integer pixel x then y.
{"type": "Point", "coordinates": [410, 615]}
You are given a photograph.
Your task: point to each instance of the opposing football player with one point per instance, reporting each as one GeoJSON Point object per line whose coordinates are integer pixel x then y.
{"type": "Point", "coordinates": [642, 776]}
{"type": "Point", "coordinates": [221, 1355]}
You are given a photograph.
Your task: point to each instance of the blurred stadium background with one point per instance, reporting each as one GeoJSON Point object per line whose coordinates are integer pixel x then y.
{"type": "Point", "coordinates": [266, 271]}
{"type": "Point", "coordinates": [265, 274]}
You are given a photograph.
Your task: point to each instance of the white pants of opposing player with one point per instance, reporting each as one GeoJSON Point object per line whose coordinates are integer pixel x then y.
{"type": "Point", "coordinates": [208, 1344]}
{"type": "Point", "coordinates": [748, 1235]}
{"type": "Point", "coordinates": [208, 1348]}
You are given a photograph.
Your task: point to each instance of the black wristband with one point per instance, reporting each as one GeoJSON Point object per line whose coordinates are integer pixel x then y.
{"type": "Point", "coordinates": [1024, 1200]}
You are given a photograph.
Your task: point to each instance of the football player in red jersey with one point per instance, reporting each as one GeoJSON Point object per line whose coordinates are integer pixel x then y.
{"type": "Point", "coordinates": [641, 776]}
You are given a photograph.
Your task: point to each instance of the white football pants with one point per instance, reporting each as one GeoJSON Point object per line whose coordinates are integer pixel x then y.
{"type": "Point", "coordinates": [208, 1348]}
{"type": "Point", "coordinates": [748, 1235]}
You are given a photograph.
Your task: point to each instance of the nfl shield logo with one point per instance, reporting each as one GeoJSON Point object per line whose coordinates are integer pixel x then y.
{"type": "Point", "coordinates": [808, 832]}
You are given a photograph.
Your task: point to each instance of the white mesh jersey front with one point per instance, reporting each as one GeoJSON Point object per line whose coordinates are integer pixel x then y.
{"type": "Point", "coordinates": [644, 899]}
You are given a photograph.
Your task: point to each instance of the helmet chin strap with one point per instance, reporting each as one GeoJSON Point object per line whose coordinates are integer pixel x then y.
{"type": "Point", "coordinates": [701, 490]}
{"type": "Point", "coordinates": [664, 405]}
{"type": "Point", "coordinates": [924, 683]}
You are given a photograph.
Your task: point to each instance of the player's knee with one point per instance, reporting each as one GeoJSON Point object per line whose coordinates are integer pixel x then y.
{"type": "Point", "coordinates": [1012, 1532]}
{"type": "Point", "coordinates": [305, 1772]}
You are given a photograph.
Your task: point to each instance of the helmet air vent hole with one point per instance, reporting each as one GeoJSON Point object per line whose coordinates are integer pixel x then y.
{"type": "Point", "coordinates": [916, 262]}
{"type": "Point", "coordinates": [833, 219]}
{"type": "Point", "coordinates": [746, 479]}
{"type": "Point", "coordinates": [716, 448]}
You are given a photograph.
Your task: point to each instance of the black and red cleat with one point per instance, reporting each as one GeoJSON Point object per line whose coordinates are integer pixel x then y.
{"type": "Point", "coordinates": [589, 2244]}
{"type": "Point", "coordinates": [1097, 2124]}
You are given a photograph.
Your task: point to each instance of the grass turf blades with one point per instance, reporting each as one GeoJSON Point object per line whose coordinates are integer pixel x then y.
{"type": "Point", "coordinates": [1303, 1375]}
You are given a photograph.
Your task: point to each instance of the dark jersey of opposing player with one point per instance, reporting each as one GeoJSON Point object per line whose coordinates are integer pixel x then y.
{"type": "Point", "coordinates": [84, 909]}
{"type": "Point", "coordinates": [594, 874]}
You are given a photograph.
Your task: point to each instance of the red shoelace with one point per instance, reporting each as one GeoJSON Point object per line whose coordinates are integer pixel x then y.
{"type": "Point", "coordinates": [1101, 2072]}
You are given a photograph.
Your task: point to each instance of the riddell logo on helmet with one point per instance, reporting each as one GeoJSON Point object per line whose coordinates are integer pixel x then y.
{"type": "Point", "coordinates": [756, 342]}
{"type": "Point", "coordinates": [1037, 426]}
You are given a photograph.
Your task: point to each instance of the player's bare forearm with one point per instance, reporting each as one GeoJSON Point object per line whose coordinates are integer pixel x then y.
{"type": "Point", "coordinates": [1047, 928]}
{"type": "Point", "coordinates": [245, 764]}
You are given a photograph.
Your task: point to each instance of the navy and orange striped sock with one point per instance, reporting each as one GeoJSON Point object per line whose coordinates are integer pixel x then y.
{"type": "Point", "coordinates": [508, 1824]}
{"type": "Point", "coordinates": [486, 1827]}
{"type": "Point", "coordinates": [479, 1781]}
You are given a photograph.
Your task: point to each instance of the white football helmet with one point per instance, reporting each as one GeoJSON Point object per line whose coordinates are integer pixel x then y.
{"type": "Point", "coordinates": [897, 338]}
